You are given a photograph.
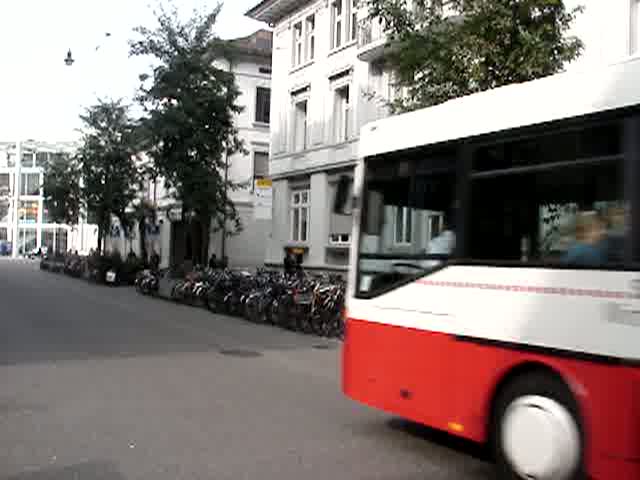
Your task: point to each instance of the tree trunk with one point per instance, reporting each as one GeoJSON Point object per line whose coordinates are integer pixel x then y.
{"type": "Point", "coordinates": [103, 231]}
{"type": "Point", "coordinates": [100, 237]}
{"type": "Point", "coordinates": [205, 226]}
{"type": "Point", "coordinates": [196, 241]}
{"type": "Point", "coordinates": [142, 230]}
{"type": "Point", "coordinates": [185, 235]}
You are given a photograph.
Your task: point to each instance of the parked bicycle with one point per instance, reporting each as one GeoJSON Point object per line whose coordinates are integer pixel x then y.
{"type": "Point", "coordinates": [311, 305]}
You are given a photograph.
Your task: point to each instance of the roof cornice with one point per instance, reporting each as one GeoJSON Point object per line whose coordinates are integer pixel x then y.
{"type": "Point", "coordinates": [273, 11]}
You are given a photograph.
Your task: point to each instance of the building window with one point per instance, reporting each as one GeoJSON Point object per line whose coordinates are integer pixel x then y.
{"type": "Point", "coordinates": [260, 165]}
{"type": "Point", "coordinates": [263, 104]}
{"type": "Point", "coordinates": [340, 226]}
{"type": "Point", "coordinates": [403, 224]}
{"type": "Point", "coordinates": [300, 116]}
{"type": "Point", "coordinates": [4, 211]}
{"type": "Point", "coordinates": [353, 27]}
{"type": "Point", "coordinates": [304, 41]}
{"type": "Point", "coordinates": [300, 215]}
{"type": "Point", "coordinates": [4, 234]}
{"type": "Point", "coordinates": [30, 184]}
{"type": "Point", "coordinates": [310, 38]}
{"type": "Point", "coordinates": [28, 211]}
{"type": "Point", "coordinates": [297, 44]}
{"type": "Point", "coordinates": [337, 23]}
{"type": "Point", "coordinates": [634, 30]}
{"type": "Point", "coordinates": [5, 184]}
{"type": "Point", "coordinates": [344, 22]}
{"type": "Point", "coordinates": [342, 114]}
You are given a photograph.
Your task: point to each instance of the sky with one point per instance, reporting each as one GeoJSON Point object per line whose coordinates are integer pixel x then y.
{"type": "Point", "coordinates": [41, 97]}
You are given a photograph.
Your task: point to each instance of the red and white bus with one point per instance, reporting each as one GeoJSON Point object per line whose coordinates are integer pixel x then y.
{"type": "Point", "coordinates": [494, 285]}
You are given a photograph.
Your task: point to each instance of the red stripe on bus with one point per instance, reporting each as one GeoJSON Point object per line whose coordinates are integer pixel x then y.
{"type": "Point", "coordinates": [573, 292]}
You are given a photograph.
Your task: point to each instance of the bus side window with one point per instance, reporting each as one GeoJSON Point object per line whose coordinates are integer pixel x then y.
{"type": "Point", "coordinates": [540, 200]}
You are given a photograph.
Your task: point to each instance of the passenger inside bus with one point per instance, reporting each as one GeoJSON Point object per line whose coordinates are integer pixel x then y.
{"type": "Point", "coordinates": [598, 237]}
{"type": "Point", "coordinates": [590, 246]}
{"type": "Point", "coordinates": [445, 242]}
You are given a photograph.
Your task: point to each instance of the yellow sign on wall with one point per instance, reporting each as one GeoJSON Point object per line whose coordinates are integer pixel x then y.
{"type": "Point", "coordinates": [262, 199]}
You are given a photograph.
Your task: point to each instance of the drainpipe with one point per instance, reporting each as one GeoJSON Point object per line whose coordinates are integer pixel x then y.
{"type": "Point", "coordinates": [16, 201]}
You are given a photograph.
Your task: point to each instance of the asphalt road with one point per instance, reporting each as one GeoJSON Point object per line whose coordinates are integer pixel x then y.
{"type": "Point", "coordinates": [101, 383]}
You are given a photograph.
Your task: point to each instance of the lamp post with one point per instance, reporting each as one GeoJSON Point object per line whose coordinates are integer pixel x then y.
{"type": "Point", "coordinates": [69, 61]}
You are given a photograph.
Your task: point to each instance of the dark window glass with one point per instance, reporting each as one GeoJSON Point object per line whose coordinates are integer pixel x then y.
{"type": "Point", "coordinates": [571, 213]}
{"type": "Point", "coordinates": [263, 105]}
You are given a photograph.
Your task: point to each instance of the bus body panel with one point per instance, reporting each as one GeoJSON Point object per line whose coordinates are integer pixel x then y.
{"type": "Point", "coordinates": [435, 350]}
{"type": "Point", "coordinates": [449, 384]}
{"type": "Point", "coordinates": [588, 312]}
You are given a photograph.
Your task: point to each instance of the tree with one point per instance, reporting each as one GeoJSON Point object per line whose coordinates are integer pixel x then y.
{"type": "Point", "coordinates": [190, 106]}
{"type": "Point", "coordinates": [443, 49]}
{"type": "Point", "coordinates": [61, 189]}
{"type": "Point", "coordinates": [107, 164]}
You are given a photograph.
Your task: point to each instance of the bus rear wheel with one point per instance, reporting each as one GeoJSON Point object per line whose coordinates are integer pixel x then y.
{"type": "Point", "coordinates": [536, 431]}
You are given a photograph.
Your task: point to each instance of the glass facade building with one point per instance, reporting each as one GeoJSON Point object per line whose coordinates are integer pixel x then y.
{"type": "Point", "coordinates": [25, 225]}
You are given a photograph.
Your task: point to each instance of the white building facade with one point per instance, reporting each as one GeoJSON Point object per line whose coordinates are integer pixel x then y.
{"type": "Point", "coordinates": [24, 219]}
{"type": "Point", "coordinates": [329, 80]}
{"type": "Point", "coordinates": [251, 66]}
{"type": "Point", "coordinates": [318, 106]}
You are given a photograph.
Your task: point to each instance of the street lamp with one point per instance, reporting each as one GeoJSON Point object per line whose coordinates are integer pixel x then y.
{"type": "Point", "coordinates": [68, 61]}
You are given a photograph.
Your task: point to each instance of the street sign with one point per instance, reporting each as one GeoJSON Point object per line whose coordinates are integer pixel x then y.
{"type": "Point", "coordinates": [262, 199]}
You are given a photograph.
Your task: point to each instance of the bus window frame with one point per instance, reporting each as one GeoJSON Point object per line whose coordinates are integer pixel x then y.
{"type": "Point", "coordinates": [629, 119]}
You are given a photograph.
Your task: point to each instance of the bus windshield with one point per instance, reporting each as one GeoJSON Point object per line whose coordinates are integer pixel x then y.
{"type": "Point", "coordinates": [408, 218]}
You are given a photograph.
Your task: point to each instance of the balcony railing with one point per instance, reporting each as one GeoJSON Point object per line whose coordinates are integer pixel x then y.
{"type": "Point", "coordinates": [372, 38]}
{"type": "Point", "coordinates": [370, 31]}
